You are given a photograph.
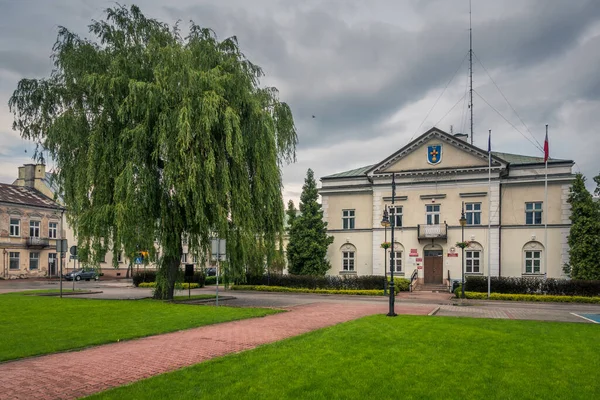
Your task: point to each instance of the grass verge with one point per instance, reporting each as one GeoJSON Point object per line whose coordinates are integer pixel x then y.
{"type": "Point", "coordinates": [404, 357]}
{"type": "Point", "coordinates": [34, 325]}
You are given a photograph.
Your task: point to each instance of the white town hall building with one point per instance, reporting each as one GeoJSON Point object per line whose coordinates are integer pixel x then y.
{"type": "Point", "coordinates": [435, 175]}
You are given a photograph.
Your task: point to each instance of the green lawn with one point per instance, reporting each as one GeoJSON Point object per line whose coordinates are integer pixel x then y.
{"type": "Point", "coordinates": [399, 358]}
{"type": "Point", "coordinates": [33, 325]}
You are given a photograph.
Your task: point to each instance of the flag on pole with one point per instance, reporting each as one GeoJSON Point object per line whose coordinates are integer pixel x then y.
{"type": "Point", "coordinates": [546, 151]}
{"type": "Point", "coordinates": [490, 142]}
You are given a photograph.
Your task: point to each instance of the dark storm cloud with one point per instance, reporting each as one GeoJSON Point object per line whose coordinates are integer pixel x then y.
{"type": "Point", "coordinates": [369, 72]}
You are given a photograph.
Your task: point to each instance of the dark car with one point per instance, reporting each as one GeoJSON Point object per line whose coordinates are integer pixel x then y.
{"type": "Point", "coordinates": [211, 271]}
{"type": "Point", "coordinates": [80, 274]}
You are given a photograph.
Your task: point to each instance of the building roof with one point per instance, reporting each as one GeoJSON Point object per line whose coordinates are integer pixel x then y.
{"type": "Point", "coordinates": [519, 159]}
{"type": "Point", "coordinates": [25, 196]}
{"type": "Point", "coordinates": [508, 157]}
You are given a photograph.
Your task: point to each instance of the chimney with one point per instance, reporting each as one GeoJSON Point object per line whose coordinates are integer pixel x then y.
{"type": "Point", "coordinates": [31, 175]}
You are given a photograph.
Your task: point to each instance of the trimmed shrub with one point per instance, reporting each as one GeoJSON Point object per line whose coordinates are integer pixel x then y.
{"type": "Point", "coordinates": [211, 280]}
{"type": "Point", "coordinates": [533, 297]}
{"type": "Point", "coordinates": [264, 288]}
{"type": "Point", "coordinates": [526, 285]}
{"type": "Point", "coordinates": [150, 276]}
{"type": "Point", "coordinates": [332, 282]}
{"type": "Point", "coordinates": [178, 286]}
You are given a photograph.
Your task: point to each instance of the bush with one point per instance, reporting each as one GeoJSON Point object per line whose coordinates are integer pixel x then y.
{"type": "Point", "coordinates": [178, 286]}
{"type": "Point", "coordinates": [150, 276]}
{"type": "Point", "coordinates": [211, 280]}
{"type": "Point", "coordinates": [550, 286]}
{"type": "Point", "coordinates": [144, 276]}
{"type": "Point", "coordinates": [458, 291]}
{"type": "Point", "coordinates": [533, 297]}
{"type": "Point", "coordinates": [330, 282]}
{"type": "Point", "coordinates": [264, 288]}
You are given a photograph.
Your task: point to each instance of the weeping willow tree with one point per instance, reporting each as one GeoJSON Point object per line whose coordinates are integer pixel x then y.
{"type": "Point", "coordinates": [159, 138]}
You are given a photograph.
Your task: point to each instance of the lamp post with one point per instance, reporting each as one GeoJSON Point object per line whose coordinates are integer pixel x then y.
{"type": "Point", "coordinates": [392, 291]}
{"type": "Point", "coordinates": [463, 222]}
{"type": "Point", "coordinates": [385, 222]}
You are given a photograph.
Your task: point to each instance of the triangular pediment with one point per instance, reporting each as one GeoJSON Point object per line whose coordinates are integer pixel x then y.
{"type": "Point", "coordinates": [434, 150]}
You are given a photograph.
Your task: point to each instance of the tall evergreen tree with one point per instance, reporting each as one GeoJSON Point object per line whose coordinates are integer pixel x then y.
{"type": "Point", "coordinates": [157, 137]}
{"type": "Point", "coordinates": [308, 240]}
{"type": "Point", "coordinates": [584, 236]}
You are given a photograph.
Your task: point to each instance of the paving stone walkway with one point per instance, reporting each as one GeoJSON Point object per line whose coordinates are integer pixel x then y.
{"type": "Point", "coordinates": [76, 374]}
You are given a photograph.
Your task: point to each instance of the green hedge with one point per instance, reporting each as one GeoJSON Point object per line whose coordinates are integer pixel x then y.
{"type": "Point", "coordinates": [330, 282]}
{"type": "Point", "coordinates": [150, 277]}
{"type": "Point", "coordinates": [533, 285]}
{"type": "Point", "coordinates": [530, 297]}
{"type": "Point", "coordinates": [178, 286]}
{"type": "Point", "coordinates": [264, 288]}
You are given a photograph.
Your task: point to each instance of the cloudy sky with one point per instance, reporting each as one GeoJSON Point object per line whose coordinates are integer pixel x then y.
{"type": "Point", "coordinates": [371, 72]}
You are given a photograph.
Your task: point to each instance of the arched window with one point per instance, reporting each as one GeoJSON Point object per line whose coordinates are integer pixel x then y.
{"type": "Point", "coordinates": [533, 253]}
{"type": "Point", "coordinates": [348, 257]}
{"type": "Point", "coordinates": [474, 258]}
{"type": "Point", "coordinates": [396, 264]}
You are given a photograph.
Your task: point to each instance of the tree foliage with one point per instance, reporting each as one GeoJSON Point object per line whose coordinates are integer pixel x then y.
{"type": "Point", "coordinates": [584, 236]}
{"type": "Point", "coordinates": [159, 137]}
{"type": "Point", "coordinates": [308, 240]}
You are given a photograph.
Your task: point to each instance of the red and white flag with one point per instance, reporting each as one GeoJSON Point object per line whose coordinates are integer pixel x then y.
{"type": "Point", "coordinates": [546, 151]}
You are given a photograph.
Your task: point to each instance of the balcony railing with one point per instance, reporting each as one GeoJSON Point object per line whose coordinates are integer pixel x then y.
{"type": "Point", "coordinates": [439, 231]}
{"type": "Point", "coordinates": [37, 242]}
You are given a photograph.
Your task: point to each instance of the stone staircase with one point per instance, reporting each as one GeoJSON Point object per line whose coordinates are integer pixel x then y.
{"type": "Point", "coordinates": [429, 287]}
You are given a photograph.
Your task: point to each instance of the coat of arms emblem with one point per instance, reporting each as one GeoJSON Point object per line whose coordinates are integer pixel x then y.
{"type": "Point", "coordinates": [434, 154]}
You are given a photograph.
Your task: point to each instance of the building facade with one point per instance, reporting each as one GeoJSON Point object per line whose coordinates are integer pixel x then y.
{"type": "Point", "coordinates": [437, 175]}
{"type": "Point", "coordinates": [30, 225]}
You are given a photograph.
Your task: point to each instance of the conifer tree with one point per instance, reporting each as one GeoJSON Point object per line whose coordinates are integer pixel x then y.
{"type": "Point", "coordinates": [584, 236]}
{"type": "Point", "coordinates": [308, 240]}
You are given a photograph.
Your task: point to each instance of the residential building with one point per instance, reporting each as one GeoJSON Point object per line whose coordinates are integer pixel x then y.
{"type": "Point", "coordinates": [436, 175]}
{"type": "Point", "coordinates": [30, 225]}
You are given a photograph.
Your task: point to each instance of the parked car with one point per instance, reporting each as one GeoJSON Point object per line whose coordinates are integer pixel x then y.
{"type": "Point", "coordinates": [212, 271]}
{"type": "Point", "coordinates": [80, 274]}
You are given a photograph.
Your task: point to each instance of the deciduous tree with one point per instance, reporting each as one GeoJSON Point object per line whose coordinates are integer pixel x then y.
{"type": "Point", "coordinates": [157, 137]}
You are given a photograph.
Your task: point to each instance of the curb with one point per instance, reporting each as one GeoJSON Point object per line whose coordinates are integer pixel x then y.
{"type": "Point", "coordinates": [434, 311]}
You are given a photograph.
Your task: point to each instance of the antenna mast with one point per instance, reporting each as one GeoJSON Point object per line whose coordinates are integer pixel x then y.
{"type": "Point", "coordinates": [471, 69]}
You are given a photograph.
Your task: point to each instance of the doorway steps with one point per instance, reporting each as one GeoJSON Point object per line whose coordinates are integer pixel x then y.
{"type": "Point", "coordinates": [431, 288]}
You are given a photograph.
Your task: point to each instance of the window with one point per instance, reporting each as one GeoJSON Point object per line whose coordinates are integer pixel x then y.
{"type": "Point", "coordinates": [15, 227]}
{"type": "Point", "coordinates": [532, 261]}
{"type": "Point", "coordinates": [348, 219]}
{"type": "Point", "coordinates": [52, 229]}
{"type": "Point", "coordinates": [184, 258]}
{"type": "Point", "coordinates": [14, 260]}
{"type": "Point", "coordinates": [348, 260]}
{"type": "Point", "coordinates": [51, 259]}
{"type": "Point", "coordinates": [433, 214]}
{"type": "Point", "coordinates": [396, 216]}
{"type": "Point", "coordinates": [120, 257]}
{"type": "Point", "coordinates": [34, 260]}
{"type": "Point", "coordinates": [473, 213]}
{"type": "Point", "coordinates": [396, 263]}
{"type": "Point", "coordinates": [472, 262]}
{"type": "Point", "coordinates": [533, 213]}
{"type": "Point", "coordinates": [34, 229]}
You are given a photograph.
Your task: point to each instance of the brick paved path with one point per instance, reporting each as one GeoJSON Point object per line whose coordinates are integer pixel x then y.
{"type": "Point", "coordinates": [75, 374]}
{"type": "Point", "coordinates": [533, 313]}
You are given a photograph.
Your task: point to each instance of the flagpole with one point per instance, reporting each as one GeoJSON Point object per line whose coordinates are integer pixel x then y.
{"type": "Point", "coordinates": [546, 154]}
{"type": "Point", "coordinates": [489, 263]}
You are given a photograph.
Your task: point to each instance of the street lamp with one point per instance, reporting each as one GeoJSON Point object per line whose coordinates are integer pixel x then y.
{"type": "Point", "coordinates": [392, 294]}
{"type": "Point", "coordinates": [385, 222]}
{"type": "Point", "coordinates": [463, 222]}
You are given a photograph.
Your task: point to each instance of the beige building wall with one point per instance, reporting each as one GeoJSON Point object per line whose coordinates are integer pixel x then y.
{"type": "Point", "coordinates": [461, 176]}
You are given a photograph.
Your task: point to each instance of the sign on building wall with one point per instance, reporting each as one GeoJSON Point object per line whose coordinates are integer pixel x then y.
{"type": "Point", "coordinates": [413, 253]}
